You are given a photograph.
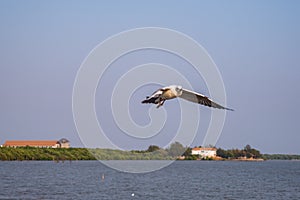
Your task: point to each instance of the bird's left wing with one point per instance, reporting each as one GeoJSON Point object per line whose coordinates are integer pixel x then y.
{"type": "Point", "coordinates": [201, 99]}
{"type": "Point", "coordinates": [154, 96]}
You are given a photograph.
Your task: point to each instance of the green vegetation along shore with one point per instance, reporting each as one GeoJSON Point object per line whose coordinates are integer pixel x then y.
{"type": "Point", "coordinates": [31, 153]}
{"type": "Point", "coordinates": [60, 154]}
{"type": "Point", "coordinates": [152, 153]}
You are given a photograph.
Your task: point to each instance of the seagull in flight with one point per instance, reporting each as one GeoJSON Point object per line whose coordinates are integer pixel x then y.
{"type": "Point", "coordinates": [170, 92]}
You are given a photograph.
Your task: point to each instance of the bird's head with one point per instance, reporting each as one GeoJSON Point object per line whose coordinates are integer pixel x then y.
{"type": "Point", "coordinates": [178, 89]}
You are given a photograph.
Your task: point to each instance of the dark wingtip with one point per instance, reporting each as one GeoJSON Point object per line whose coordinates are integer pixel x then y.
{"type": "Point", "coordinates": [145, 101]}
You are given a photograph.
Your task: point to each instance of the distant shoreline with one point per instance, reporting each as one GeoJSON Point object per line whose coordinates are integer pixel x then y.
{"type": "Point", "coordinates": [74, 154]}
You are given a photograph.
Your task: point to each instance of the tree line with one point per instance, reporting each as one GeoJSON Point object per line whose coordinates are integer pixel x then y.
{"type": "Point", "coordinates": [281, 157]}
{"type": "Point", "coordinates": [31, 153]}
{"type": "Point", "coordinates": [246, 152]}
{"type": "Point", "coordinates": [153, 152]}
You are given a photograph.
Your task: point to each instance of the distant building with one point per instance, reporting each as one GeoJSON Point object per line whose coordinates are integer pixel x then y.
{"type": "Point", "coordinates": [63, 143]}
{"type": "Point", "coordinates": [205, 152]}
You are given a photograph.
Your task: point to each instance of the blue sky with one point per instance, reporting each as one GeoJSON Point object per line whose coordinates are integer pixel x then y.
{"type": "Point", "coordinates": [255, 45]}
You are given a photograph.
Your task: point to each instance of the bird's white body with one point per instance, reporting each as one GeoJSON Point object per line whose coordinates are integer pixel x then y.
{"type": "Point", "coordinates": [174, 91]}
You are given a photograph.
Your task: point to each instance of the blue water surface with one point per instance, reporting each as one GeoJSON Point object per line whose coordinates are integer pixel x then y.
{"type": "Point", "coordinates": [181, 180]}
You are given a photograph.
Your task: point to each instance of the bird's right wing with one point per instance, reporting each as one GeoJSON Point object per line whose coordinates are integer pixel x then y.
{"type": "Point", "coordinates": [200, 99]}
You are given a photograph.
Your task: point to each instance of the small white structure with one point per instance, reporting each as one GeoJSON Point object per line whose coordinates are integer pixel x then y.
{"type": "Point", "coordinates": [205, 152]}
{"type": "Point", "coordinates": [64, 143]}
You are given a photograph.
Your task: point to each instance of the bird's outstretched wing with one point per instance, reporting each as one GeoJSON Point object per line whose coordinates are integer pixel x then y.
{"type": "Point", "coordinates": [154, 98]}
{"type": "Point", "coordinates": [201, 99]}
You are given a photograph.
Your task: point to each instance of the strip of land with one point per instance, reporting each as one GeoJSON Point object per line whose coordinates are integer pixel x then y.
{"type": "Point", "coordinates": [61, 154]}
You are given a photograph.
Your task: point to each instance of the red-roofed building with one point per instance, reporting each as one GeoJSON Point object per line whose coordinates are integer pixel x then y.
{"type": "Point", "coordinates": [64, 143]}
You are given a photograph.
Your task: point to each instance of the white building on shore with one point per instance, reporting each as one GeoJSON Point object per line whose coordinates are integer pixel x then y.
{"type": "Point", "coordinates": [205, 152]}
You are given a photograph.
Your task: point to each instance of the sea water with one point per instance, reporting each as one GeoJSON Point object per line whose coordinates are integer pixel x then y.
{"type": "Point", "coordinates": [180, 180]}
